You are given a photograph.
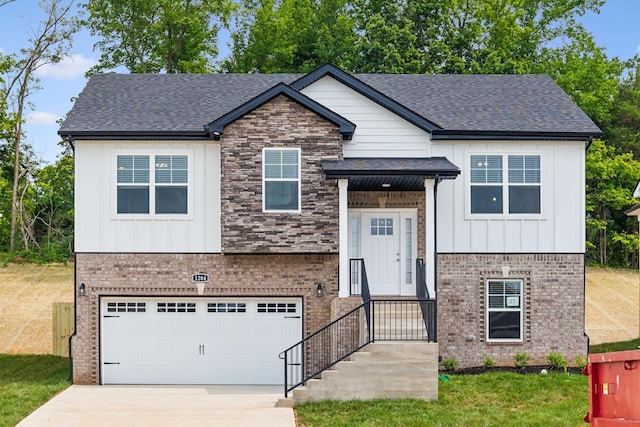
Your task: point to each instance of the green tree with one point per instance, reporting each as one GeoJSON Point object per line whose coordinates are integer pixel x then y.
{"type": "Point", "coordinates": [274, 36]}
{"type": "Point", "coordinates": [610, 180]}
{"type": "Point", "coordinates": [53, 208]}
{"type": "Point", "coordinates": [174, 36]}
{"type": "Point", "coordinates": [49, 43]}
{"type": "Point", "coordinates": [624, 130]}
{"type": "Point", "coordinates": [387, 42]}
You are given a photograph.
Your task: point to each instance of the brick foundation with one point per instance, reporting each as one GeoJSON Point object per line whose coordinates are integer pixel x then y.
{"type": "Point", "coordinates": [170, 275]}
{"type": "Point", "coordinates": [553, 304]}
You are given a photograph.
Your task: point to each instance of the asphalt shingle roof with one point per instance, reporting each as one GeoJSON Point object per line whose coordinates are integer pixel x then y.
{"type": "Point", "coordinates": [184, 103]}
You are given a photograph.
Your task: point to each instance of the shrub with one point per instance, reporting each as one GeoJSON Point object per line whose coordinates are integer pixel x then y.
{"type": "Point", "coordinates": [581, 361]}
{"type": "Point", "coordinates": [450, 364]}
{"type": "Point", "coordinates": [556, 361]}
{"type": "Point", "coordinates": [488, 362]}
{"type": "Point", "coordinates": [521, 360]}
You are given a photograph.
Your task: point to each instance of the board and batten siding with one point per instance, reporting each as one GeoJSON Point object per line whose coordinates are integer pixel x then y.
{"type": "Point", "coordinates": [379, 132]}
{"type": "Point", "coordinates": [559, 229]}
{"type": "Point", "coordinates": [99, 229]}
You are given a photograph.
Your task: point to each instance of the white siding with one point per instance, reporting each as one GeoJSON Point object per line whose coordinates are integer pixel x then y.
{"type": "Point", "coordinates": [379, 132]}
{"type": "Point", "coordinates": [559, 229]}
{"type": "Point", "coordinates": [99, 229]}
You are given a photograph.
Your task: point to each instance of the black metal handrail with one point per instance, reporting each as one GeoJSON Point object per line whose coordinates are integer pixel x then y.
{"type": "Point", "coordinates": [390, 320]}
{"type": "Point", "coordinates": [358, 271]}
{"type": "Point", "coordinates": [422, 292]}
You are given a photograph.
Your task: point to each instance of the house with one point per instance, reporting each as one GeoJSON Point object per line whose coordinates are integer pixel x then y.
{"type": "Point", "coordinates": [222, 218]}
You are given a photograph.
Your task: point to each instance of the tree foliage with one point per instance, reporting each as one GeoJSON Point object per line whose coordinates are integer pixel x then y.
{"type": "Point", "coordinates": [610, 180]}
{"type": "Point", "coordinates": [174, 36]}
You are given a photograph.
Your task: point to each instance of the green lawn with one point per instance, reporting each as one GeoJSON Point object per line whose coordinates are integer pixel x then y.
{"type": "Point", "coordinates": [28, 381]}
{"type": "Point", "coordinates": [615, 346]}
{"type": "Point", "coordinates": [490, 399]}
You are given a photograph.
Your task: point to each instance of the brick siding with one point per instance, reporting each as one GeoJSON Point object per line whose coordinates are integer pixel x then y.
{"type": "Point", "coordinates": [170, 275]}
{"type": "Point", "coordinates": [553, 304]}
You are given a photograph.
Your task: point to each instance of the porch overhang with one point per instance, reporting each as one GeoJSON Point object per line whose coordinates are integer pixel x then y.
{"type": "Point", "coordinates": [389, 174]}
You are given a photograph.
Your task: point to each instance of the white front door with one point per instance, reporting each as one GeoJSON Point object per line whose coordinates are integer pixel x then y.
{"type": "Point", "coordinates": [381, 251]}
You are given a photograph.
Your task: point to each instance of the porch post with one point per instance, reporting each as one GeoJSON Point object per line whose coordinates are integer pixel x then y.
{"type": "Point", "coordinates": [343, 221]}
{"type": "Point", "coordinates": [430, 233]}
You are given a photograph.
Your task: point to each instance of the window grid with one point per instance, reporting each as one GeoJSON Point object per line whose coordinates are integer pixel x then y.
{"type": "Point", "coordinates": [408, 248]}
{"type": "Point", "coordinates": [176, 307]}
{"type": "Point", "coordinates": [277, 307]}
{"type": "Point", "coordinates": [161, 190]}
{"type": "Point", "coordinates": [226, 307]}
{"type": "Point", "coordinates": [382, 226]}
{"type": "Point", "coordinates": [126, 307]}
{"type": "Point", "coordinates": [281, 179]}
{"type": "Point", "coordinates": [492, 192]}
{"type": "Point", "coordinates": [504, 310]}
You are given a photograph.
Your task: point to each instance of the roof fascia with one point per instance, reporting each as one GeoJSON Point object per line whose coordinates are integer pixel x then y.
{"type": "Point", "coordinates": [442, 134]}
{"type": "Point", "coordinates": [139, 135]}
{"type": "Point", "coordinates": [365, 90]}
{"type": "Point", "coordinates": [216, 127]}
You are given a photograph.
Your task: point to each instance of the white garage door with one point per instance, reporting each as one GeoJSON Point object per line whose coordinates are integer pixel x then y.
{"type": "Point", "coordinates": [196, 341]}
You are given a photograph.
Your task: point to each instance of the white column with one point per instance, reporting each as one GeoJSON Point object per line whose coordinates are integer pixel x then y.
{"type": "Point", "coordinates": [343, 221]}
{"type": "Point", "coordinates": [430, 233]}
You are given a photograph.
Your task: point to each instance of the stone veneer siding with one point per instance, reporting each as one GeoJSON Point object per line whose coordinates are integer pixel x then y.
{"type": "Point", "coordinates": [280, 123]}
{"type": "Point", "coordinates": [157, 275]}
{"type": "Point", "coordinates": [553, 295]}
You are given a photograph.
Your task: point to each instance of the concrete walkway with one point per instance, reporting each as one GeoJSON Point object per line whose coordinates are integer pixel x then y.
{"type": "Point", "coordinates": [158, 406]}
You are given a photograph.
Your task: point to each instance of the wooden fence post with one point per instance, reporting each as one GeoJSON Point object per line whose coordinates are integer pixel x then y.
{"type": "Point", "coordinates": [62, 327]}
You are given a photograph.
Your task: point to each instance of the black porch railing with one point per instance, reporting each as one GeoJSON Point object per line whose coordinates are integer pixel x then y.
{"type": "Point", "coordinates": [427, 305]}
{"type": "Point", "coordinates": [373, 320]}
{"type": "Point", "coordinates": [391, 320]}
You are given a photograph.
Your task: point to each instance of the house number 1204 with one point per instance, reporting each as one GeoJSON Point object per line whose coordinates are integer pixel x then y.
{"type": "Point", "coordinates": [200, 277]}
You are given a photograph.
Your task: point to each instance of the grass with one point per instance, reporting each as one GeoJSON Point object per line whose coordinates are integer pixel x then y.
{"type": "Point", "coordinates": [28, 381]}
{"type": "Point", "coordinates": [615, 346]}
{"type": "Point", "coordinates": [491, 399]}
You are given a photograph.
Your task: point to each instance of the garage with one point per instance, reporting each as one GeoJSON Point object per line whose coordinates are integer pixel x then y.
{"type": "Point", "coordinates": [196, 340]}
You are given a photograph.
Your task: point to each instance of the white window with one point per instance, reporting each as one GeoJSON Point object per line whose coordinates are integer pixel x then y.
{"type": "Point", "coordinates": [504, 310]}
{"type": "Point", "coordinates": [161, 190]}
{"type": "Point", "coordinates": [281, 179]}
{"type": "Point", "coordinates": [494, 192]}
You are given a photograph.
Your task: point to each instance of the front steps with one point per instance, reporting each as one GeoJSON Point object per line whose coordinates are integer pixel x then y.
{"type": "Point", "coordinates": [381, 370]}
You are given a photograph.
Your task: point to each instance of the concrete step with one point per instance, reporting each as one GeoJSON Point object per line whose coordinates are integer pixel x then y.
{"type": "Point", "coordinates": [380, 370]}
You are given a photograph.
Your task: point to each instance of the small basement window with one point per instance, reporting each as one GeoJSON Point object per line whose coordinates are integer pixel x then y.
{"type": "Point", "coordinates": [504, 310]}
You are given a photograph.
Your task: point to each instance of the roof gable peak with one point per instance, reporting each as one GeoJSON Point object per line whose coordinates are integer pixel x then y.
{"type": "Point", "coordinates": [364, 89]}
{"type": "Point", "coordinates": [216, 127]}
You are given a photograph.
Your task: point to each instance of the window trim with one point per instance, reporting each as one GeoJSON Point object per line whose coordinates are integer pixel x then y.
{"type": "Point", "coordinates": [505, 185]}
{"type": "Point", "coordinates": [490, 310]}
{"type": "Point", "coordinates": [152, 185]}
{"type": "Point", "coordinates": [264, 180]}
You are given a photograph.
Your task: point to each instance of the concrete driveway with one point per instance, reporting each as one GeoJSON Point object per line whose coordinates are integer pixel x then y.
{"type": "Point", "coordinates": [163, 406]}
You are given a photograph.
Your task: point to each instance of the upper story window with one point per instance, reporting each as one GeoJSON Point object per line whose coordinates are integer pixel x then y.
{"type": "Point", "coordinates": [495, 192]}
{"type": "Point", "coordinates": [161, 189]}
{"type": "Point", "coordinates": [281, 179]}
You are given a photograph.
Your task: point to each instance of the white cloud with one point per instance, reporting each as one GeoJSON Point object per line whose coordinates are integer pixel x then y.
{"type": "Point", "coordinates": [42, 118]}
{"type": "Point", "coordinates": [69, 68]}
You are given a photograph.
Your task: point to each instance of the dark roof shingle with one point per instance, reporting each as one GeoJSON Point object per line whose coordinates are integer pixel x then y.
{"type": "Point", "coordinates": [184, 103]}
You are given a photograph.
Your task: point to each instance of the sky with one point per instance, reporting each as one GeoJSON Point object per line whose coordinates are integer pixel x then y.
{"type": "Point", "coordinates": [614, 28]}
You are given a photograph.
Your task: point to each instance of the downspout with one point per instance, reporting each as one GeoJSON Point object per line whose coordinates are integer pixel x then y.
{"type": "Point", "coordinates": [435, 255]}
{"type": "Point", "coordinates": [75, 290]}
{"type": "Point", "coordinates": [75, 317]}
{"type": "Point", "coordinates": [584, 274]}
